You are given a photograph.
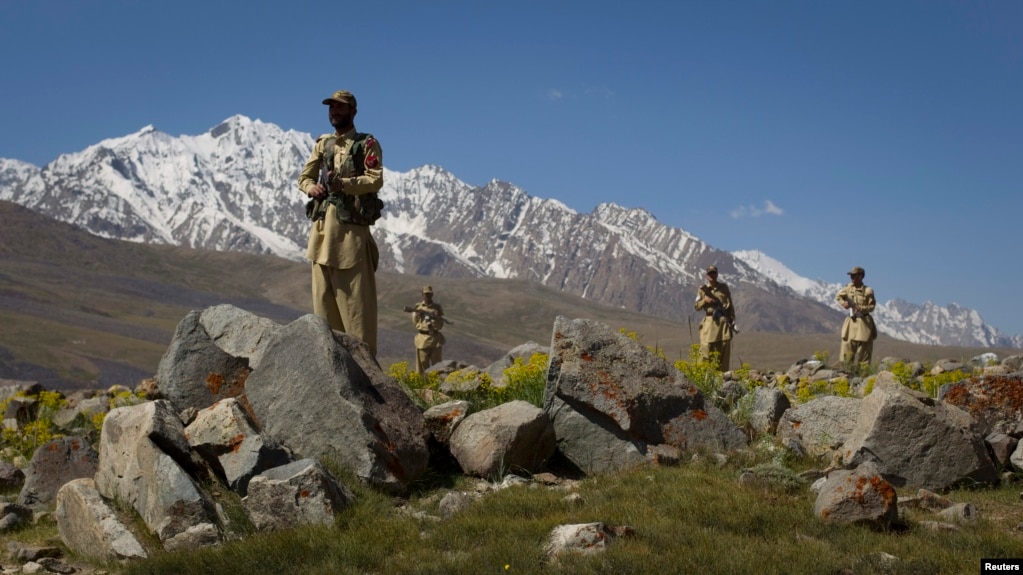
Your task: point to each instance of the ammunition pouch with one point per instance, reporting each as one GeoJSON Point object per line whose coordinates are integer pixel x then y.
{"type": "Point", "coordinates": [361, 210]}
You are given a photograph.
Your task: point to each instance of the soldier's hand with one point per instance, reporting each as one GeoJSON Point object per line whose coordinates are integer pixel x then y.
{"type": "Point", "coordinates": [317, 192]}
{"type": "Point", "coordinates": [708, 300]}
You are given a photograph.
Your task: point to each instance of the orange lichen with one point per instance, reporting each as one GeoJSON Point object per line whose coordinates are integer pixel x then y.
{"type": "Point", "coordinates": [214, 382]}
{"type": "Point", "coordinates": [884, 489]}
{"type": "Point", "coordinates": [699, 414]}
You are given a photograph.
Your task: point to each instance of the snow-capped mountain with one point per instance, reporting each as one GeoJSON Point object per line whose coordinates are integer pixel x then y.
{"type": "Point", "coordinates": [926, 323]}
{"type": "Point", "coordinates": [234, 189]}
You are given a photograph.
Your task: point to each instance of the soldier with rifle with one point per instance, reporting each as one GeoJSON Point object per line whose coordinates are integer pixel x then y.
{"type": "Point", "coordinates": [428, 317]}
{"type": "Point", "coordinates": [718, 326]}
{"type": "Point", "coordinates": [858, 329]}
{"type": "Point", "coordinates": [342, 177]}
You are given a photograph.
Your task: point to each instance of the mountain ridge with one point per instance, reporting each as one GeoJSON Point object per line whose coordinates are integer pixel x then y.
{"type": "Point", "coordinates": [233, 189]}
{"type": "Point", "coordinates": [112, 321]}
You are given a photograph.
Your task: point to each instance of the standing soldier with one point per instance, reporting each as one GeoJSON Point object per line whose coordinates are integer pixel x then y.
{"type": "Point", "coordinates": [428, 317]}
{"type": "Point", "coordinates": [343, 175]}
{"type": "Point", "coordinates": [717, 328]}
{"type": "Point", "coordinates": [858, 330]}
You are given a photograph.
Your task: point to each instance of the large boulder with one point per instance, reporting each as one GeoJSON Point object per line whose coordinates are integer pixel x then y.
{"type": "Point", "coordinates": [238, 332]}
{"type": "Point", "coordinates": [321, 394]}
{"type": "Point", "coordinates": [144, 461]}
{"type": "Point", "coordinates": [55, 463]}
{"type": "Point", "coordinates": [917, 441]}
{"type": "Point", "coordinates": [614, 404]}
{"type": "Point", "coordinates": [821, 425]}
{"type": "Point", "coordinates": [512, 437]}
{"type": "Point", "coordinates": [995, 402]}
{"type": "Point", "coordinates": [195, 372]}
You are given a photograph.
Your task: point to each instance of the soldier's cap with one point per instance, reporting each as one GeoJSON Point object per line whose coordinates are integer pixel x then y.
{"type": "Point", "coordinates": [342, 97]}
{"type": "Point", "coordinates": [427, 289]}
{"type": "Point", "coordinates": [712, 269]}
{"type": "Point", "coordinates": [857, 270]}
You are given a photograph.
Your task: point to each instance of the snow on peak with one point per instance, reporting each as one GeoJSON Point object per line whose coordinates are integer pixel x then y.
{"type": "Point", "coordinates": [778, 271]}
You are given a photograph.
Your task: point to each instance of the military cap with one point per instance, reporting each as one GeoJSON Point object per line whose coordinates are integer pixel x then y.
{"type": "Point", "coordinates": [427, 289]}
{"type": "Point", "coordinates": [857, 270]}
{"type": "Point", "coordinates": [342, 97]}
{"type": "Point", "coordinates": [712, 269]}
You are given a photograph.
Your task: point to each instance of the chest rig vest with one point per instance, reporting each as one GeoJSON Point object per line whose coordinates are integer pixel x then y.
{"type": "Point", "coordinates": [363, 210]}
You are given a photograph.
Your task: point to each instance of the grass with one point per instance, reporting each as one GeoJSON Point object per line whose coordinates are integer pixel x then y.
{"type": "Point", "coordinates": [689, 519]}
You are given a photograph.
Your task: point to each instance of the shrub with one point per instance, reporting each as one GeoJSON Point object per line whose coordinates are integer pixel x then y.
{"type": "Point", "coordinates": [701, 373]}
{"type": "Point", "coordinates": [24, 440]}
{"type": "Point", "coordinates": [526, 381]}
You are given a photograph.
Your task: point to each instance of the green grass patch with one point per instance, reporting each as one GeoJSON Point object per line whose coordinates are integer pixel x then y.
{"type": "Point", "coordinates": [689, 519]}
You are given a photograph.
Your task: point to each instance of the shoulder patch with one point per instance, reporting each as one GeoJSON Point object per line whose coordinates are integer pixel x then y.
{"type": "Point", "coordinates": [370, 141]}
{"type": "Point", "coordinates": [372, 161]}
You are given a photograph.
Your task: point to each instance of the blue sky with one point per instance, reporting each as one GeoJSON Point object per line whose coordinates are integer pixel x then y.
{"type": "Point", "coordinates": [827, 134]}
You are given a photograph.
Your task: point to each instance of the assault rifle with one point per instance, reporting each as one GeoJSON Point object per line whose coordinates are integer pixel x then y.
{"type": "Point", "coordinates": [312, 207]}
{"type": "Point", "coordinates": [854, 310]}
{"type": "Point", "coordinates": [431, 317]}
{"type": "Point", "coordinates": [719, 311]}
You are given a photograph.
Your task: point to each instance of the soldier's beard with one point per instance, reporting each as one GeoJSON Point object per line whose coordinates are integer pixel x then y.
{"type": "Point", "coordinates": [342, 123]}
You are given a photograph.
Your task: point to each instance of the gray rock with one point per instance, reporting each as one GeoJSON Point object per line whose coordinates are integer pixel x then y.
{"type": "Point", "coordinates": [820, 425]}
{"type": "Point", "coordinates": [195, 372]}
{"type": "Point", "coordinates": [917, 441]}
{"type": "Point", "coordinates": [1016, 459]}
{"type": "Point", "coordinates": [145, 461]}
{"type": "Point", "coordinates": [524, 351]}
{"type": "Point", "coordinates": [583, 538]}
{"type": "Point", "coordinates": [442, 419]}
{"type": "Point", "coordinates": [302, 492]}
{"type": "Point", "coordinates": [90, 527]}
{"type": "Point", "coordinates": [225, 436]}
{"type": "Point", "coordinates": [769, 405]}
{"type": "Point", "coordinates": [13, 516]}
{"type": "Point", "coordinates": [455, 501]}
{"type": "Point", "coordinates": [10, 476]}
{"type": "Point", "coordinates": [1014, 363]}
{"type": "Point", "coordinates": [960, 513]}
{"type": "Point", "coordinates": [513, 436]}
{"type": "Point", "coordinates": [994, 401]}
{"type": "Point", "coordinates": [238, 332]}
{"type": "Point", "coordinates": [321, 393]}
{"type": "Point", "coordinates": [945, 365]}
{"type": "Point", "coordinates": [55, 463]}
{"type": "Point", "coordinates": [859, 495]}
{"type": "Point", "coordinates": [1001, 447]}
{"type": "Point", "coordinates": [610, 398]}
{"type": "Point", "coordinates": [20, 412]}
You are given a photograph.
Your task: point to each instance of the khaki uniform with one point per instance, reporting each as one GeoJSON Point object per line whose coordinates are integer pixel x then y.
{"type": "Point", "coordinates": [344, 256]}
{"type": "Point", "coordinates": [716, 334]}
{"type": "Point", "coordinates": [858, 330]}
{"type": "Point", "coordinates": [429, 340]}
